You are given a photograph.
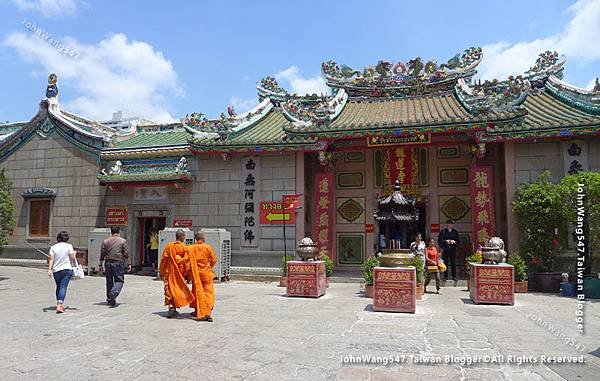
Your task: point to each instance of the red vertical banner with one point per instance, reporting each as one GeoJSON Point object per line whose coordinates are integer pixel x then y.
{"type": "Point", "coordinates": [322, 224]}
{"type": "Point", "coordinates": [402, 164]}
{"type": "Point", "coordinates": [482, 203]}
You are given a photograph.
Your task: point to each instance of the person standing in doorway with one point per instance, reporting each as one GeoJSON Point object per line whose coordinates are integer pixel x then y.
{"type": "Point", "coordinates": [60, 266]}
{"type": "Point", "coordinates": [114, 261]}
{"type": "Point", "coordinates": [202, 258]}
{"type": "Point", "coordinates": [153, 248]}
{"type": "Point", "coordinates": [448, 241]}
{"type": "Point", "coordinates": [172, 271]}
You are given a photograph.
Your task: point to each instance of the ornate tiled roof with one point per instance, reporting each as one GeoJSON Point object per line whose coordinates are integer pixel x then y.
{"type": "Point", "coordinates": [265, 135]}
{"type": "Point", "coordinates": [547, 116]}
{"type": "Point", "coordinates": [428, 113]}
{"type": "Point", "coordinates": [400, 98]}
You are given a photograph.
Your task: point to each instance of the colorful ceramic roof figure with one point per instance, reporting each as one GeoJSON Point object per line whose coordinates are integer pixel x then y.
{"type": "Point", "coordinates": [143, 171]}
{"type": "Point", "coordinates": [396, 207]}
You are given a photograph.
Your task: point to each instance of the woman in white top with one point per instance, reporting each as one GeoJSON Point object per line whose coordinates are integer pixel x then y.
{"type": "Point", "coordinates": [61, 256]}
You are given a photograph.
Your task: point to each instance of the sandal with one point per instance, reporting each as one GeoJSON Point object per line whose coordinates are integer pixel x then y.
{"type": "Point", "coordinates": [60, 309]}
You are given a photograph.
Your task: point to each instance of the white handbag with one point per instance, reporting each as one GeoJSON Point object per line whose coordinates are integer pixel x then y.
{"type": "Point", "coordinates": [78, 271]}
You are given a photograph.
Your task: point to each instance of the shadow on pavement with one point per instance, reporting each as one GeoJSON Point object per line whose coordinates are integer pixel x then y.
{"type": "Point", "coordinates": [53, 309]}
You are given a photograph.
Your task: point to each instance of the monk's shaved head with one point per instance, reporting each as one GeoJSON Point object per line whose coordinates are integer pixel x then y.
{"type": "Point", "coordinates": [199, 236]}
{"type": "Point", "coordinates": [180, 235]}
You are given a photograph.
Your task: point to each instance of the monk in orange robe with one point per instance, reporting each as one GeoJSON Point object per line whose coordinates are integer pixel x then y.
{"type": "Point", "coordinates": [172, 270]}
{"type": "Point", "coordinates": [201, 259]}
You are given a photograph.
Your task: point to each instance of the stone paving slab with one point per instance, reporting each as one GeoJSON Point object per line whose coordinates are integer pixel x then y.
{"type": "Point", "coordinates": [259, 334]}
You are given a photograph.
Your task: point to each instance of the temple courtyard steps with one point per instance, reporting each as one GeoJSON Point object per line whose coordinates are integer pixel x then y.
{"type": "Point", "coordinates": [259, 334]}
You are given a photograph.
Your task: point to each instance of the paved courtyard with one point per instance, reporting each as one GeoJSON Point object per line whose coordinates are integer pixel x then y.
{"type": "Point", "coordinates": [258, 334]}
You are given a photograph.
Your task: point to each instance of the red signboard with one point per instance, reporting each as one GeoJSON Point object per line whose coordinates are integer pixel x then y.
{"type": "Point", "coordinates": [482, 203]}
{"type": "Point", "coordinates": [434, 228]}
{"type": "Point", "coordinates": [292, 201]}
{"type": "Point", "coordinates": [182, 223]}
{"type": "Point", "coordinates": [115, 216]}
{"type": "Point", "coordinates": [369, 228]}
{"type": "Point", "coordinates": [323, 212]}
{"type": "Point", "coordinates": [272, 213]}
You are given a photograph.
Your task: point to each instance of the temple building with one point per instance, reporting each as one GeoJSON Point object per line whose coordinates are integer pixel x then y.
{"type": "Point", "coordinates": [456, 146]}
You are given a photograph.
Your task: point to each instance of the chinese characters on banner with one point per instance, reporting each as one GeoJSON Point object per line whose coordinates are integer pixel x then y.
{"type": "Point", "coordinates": [250, 201]}
{"type": "Point", "coordinates": [482, 203]}
{"type": "Point", "coordinates": [402, 164]}
{"type": "Point", "coordinates": [323, 212]}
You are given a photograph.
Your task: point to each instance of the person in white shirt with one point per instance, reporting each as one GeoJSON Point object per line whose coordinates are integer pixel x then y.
{"type": "Point", "coordinates": [62, 254]}
{"type": "Point", "coordinates": [418, 247]}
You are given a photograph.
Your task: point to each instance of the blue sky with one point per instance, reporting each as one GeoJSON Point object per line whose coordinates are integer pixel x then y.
{"type": "Point", "coordinates": [163, 59]}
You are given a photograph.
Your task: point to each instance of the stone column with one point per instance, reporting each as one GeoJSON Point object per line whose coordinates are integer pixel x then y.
{"type": "Point", "coordinates": [510, 180]}
{"type": "Point", "coordinates": [301, 189]}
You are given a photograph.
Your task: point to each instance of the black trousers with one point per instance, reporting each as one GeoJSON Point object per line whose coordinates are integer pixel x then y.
{"type": "Point", "coordinates": [450, 261]}
{"type": "Point", "coordinates": [115, 277]}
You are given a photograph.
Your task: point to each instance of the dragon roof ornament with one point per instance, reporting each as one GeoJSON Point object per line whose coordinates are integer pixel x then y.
{"type": "Point", "coordinates": [402, 78]}
{"type": "Point", "coordinates": [547, 63]}
{"type": "Point", "coordinates": [268, 87]}
{"type": "Point", "coordinates": [201, 127]}
{"type": "Point", "coordinates": [493, 96]}
{"type": "Point", "coordinates": [318, 109]}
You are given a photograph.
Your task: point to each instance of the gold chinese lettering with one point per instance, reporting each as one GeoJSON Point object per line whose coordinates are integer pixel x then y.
{"type": "Point", "coordinates": [481, 199]}
{"type": "Point", "coordinates": [324, 219]}
{"type": "Point", "coordinates": [483, 217]}
{"type": "Point", "coordinates": [483, 235]}
{"type": "Point", "coordinates": [324, 185]}
{"type": "Point", "coordinates": [323, 236]}
{"type": "Point", "coordinates": [323, 202]}
{"type": "Point", "coordinates": [481, 180]}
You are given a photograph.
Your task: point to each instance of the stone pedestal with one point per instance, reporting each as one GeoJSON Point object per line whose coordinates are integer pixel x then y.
{"type": "Point", "coordinates": [394, 289]}
{"type": "Point", "coordinates": [306, 278]}
{"type": "Point", "coordinates": [494, 284]}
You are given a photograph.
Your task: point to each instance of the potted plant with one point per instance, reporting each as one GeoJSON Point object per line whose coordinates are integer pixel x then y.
{"type": "Point", "coordinates": [520, 269]}
{"type": "Point", "coordinates": [417, 263]}
{"type": "Point", "coordinates": [367, 269]}
{"type": "Point", "coordinates": [328, 266]}
{"type": "Point", "coordinates": [542, 213]}
{"type": "Point", "coordinates": [477, 257]}
{"type": "Point", "coordinates": [284, 260]}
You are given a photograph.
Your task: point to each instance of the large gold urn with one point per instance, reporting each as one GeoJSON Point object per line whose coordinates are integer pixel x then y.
{"type": "Point", "coordinates": [396, 258]}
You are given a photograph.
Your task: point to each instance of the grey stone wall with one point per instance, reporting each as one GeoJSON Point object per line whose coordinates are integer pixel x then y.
{"type": "Point", "coordinates": [213, 200]}
{"type": "Point", "coordinates": [531, 159]}
{"type": "Point", "coordinates": [56, 163]}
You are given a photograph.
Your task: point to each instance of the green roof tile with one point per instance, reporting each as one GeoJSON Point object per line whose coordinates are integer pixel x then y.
{"type": "Point", "coordinates": [155, 139]}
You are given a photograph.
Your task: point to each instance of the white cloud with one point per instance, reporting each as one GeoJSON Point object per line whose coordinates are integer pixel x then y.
{"type": "Point", "coordinates": [48, 8]}
{"type": "Point", "coordinates": [114, 74]}
{"type": "Point", "coordinates": [300, 85]}
{"type": "Point", "coordinates": [578, 40]}
{"type": "Point", "coordinates": [243, 105]}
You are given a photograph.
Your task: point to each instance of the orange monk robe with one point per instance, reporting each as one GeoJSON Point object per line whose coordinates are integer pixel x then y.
{"type": "Point", "coordinates": [202, 258]}
{"type": "Point", "coordinates": [177, 293]}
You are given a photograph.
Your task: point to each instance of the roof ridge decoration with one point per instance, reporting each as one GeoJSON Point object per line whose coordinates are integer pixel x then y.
{"type": "Point", "coordinates": [317, 109]}
{"type": "Point", "coordinates": [582, 99]}
{"type": "Point", "coordinates": [493, 96]}
{"type": "Point", "coordinates": [201, 127]}
{"type": "Point", "coordinates": [268, 87]}
{"type": "Point", "coordinates": [168, 170]}
{"type": "Point", "coordinates": [548, 63]}
{"type": "Point", "coordinates": [414, 77]}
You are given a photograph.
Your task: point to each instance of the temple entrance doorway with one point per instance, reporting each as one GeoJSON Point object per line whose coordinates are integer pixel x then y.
{"type": "Point", "coordinates": [147, 255]}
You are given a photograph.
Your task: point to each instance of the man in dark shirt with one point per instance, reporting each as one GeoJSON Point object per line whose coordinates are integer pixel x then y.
{"type": "Point", "coordinates": [448, 240]}
{"type": "Point", "coordinates": [114, 257]}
